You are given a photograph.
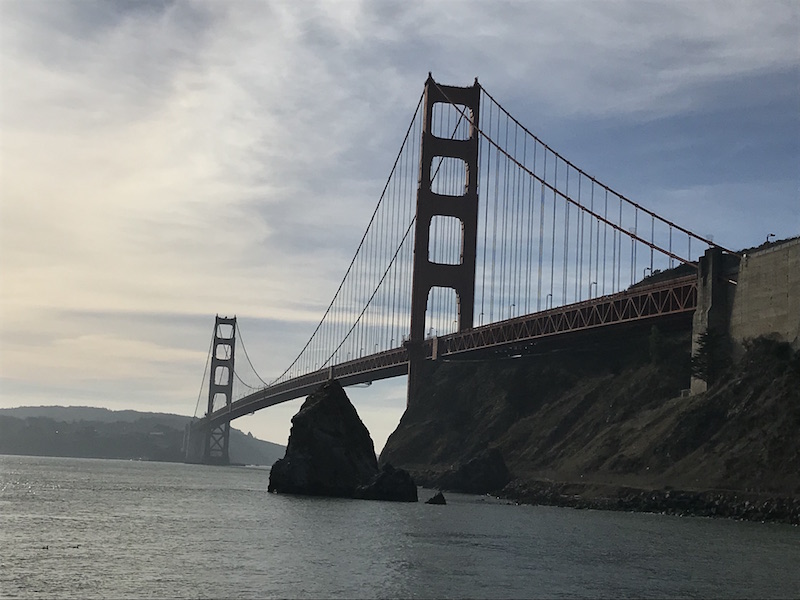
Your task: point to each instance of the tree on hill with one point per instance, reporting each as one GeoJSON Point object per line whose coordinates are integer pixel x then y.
{"type": "Point", "coordinates": [712, 356]}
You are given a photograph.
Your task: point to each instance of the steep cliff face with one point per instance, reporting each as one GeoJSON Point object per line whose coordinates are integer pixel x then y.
{"type": "Point", "coordinates": [743, 433]}
{"type": "Point", "coordinates": [613, 414]}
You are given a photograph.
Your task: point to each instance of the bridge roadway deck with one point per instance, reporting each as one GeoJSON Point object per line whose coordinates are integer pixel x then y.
{"type": "Point", "coordinates": [671, 298]}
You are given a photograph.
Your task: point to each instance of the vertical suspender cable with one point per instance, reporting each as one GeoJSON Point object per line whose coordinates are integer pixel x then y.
{"type": "Point", "coordinates": [541, 235]}
{"type": "Point", "coordinates": [605, 240]}
{"type": "Point", "coordinates": [488, 153]}
{"type": "Point", "coordinates": [495, 203]}
{"type": "Point", "coordinates": [553, 250]}
{"type": "Point", "coordinates": [565, 257]}
{"type": "Point", "coordinates": [531, 214]}
{"type": "Point", "coordinates": [579, 250]}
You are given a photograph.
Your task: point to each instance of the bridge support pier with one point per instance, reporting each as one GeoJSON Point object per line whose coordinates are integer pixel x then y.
{"type": "Point", "coordinates": [416, 355]}
{"type": "Point", "coordinates": [712, 315]}
{"type": "Point", "coordinates": [193, 440]}
{"type": "Point", "coordinates": [427, 274]}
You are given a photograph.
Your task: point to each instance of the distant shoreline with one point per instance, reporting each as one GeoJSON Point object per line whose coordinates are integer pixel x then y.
{"type": "Point", "coordinates": [84, 432]}
{"type": "Point", "coordinates": [174, 462]}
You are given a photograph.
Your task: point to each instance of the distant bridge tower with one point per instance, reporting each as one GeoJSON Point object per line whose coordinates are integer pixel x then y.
{"type": "Point", "coordinates": [426, 274]}
{"type": "Point", "coordinates": [220, 387]}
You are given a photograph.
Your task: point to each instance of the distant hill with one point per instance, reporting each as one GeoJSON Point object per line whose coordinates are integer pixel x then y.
{"type": "Point", "coordinates": [86, 432]}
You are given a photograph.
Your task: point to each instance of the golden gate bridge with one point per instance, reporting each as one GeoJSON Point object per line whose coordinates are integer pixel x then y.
{"type": "Point", "coordinates": [484, 240]}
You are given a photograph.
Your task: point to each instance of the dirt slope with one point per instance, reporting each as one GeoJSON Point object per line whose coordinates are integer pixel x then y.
{"type": "Point", "coordinates": [613, 415]}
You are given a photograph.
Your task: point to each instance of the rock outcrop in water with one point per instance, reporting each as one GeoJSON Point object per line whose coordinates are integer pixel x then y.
{"type": "Point", "coordinates": [390, 484]}
{"type": "Point", "coordinates": [484, 472]}
{"type": "Point", "coordinates": [330, 451]}
{"type": "Point", "coordinates": [437, 498]}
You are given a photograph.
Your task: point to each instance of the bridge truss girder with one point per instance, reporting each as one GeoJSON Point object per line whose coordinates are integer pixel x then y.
{"type": "Point", "coordinates": [660, 303]}
{"type": "Point", "coordinates": [676, 297]}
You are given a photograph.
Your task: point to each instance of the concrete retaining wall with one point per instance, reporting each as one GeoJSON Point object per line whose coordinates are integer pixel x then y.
{"type": "Point", "coordinates": [767, 297]}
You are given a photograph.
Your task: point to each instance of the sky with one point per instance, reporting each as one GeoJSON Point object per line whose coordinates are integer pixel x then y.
{"type": "Point", "coordinates": [164, 162]}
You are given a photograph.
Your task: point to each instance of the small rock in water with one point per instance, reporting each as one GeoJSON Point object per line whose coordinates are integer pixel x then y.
{"type": "Point", "coordinates": [437, 498]}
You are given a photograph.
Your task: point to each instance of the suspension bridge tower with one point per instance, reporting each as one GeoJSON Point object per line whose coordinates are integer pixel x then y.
{"type": "Point", "coordinates": [210, 445]}
{"type": "Point", "coordinates": [426, 273]}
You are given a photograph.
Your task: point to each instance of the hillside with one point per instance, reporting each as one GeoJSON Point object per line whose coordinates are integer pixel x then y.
{"type": "Point", "coordinates": [593, 420]}
{"type": "Point", "coordinates": [101, 433]}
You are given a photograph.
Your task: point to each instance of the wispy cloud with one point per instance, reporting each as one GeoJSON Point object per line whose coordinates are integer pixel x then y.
{"type": "Point", "coordinates": [184, 159]}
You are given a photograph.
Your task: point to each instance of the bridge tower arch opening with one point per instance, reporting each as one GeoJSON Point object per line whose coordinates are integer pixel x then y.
{"type": "Point", "coordinates": [442, 312]}
{"type": "Point", "coordinates": [447, 187]}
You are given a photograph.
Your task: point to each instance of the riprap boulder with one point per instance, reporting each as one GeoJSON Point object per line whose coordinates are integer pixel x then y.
{"type": "Point", "coordinates": [485, 472]}
{"type": "Point", "coordinates": [390, 484]}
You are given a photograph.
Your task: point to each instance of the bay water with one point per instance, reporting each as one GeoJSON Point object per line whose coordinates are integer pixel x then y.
{"type": "Point", "coordinates": [86, 528]}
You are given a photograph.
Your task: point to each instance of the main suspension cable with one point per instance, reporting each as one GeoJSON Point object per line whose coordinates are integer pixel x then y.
{"type": "Point", "coordinates": [585, 174]}
{"type": "Point", "coordinates": [244, 348]}
{"type": "Point", "coordinates": [557, 192]}
{"type": "Point", "coordinates": [361, 243]}
{"type": "Point", "coordinates": [205, 372]}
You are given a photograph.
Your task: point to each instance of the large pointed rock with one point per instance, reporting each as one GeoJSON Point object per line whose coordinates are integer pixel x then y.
{"type": "Point", "coordinates": [330, 451]}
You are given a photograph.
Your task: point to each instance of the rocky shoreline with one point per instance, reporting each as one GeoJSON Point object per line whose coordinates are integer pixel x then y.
{"type": "Point", "coordinates": [717, 503]}
{"type": "Point", "coordinates": [607, 427]}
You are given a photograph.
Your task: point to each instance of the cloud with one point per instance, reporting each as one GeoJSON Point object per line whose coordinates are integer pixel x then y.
{"type": "Point", "coordinates": [632, 59]}
{"type": "Point", "coordinates": [166, 161]}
